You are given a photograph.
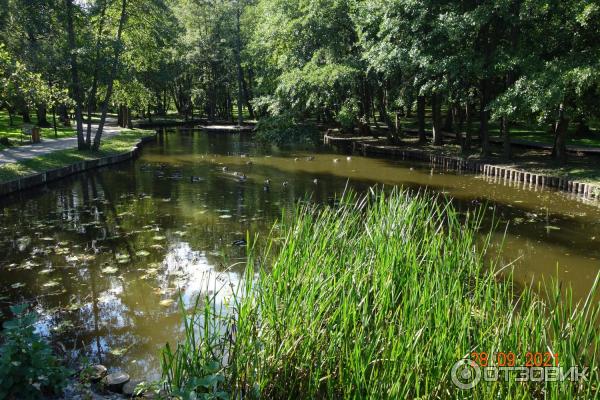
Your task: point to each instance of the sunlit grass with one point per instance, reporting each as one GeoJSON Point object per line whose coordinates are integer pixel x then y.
{"type": "Point", "coordinates": [378, 298]}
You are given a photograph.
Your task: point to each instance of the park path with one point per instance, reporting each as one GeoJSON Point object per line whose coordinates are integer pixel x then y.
{"type": "Point", "coordinates": [26, 152]}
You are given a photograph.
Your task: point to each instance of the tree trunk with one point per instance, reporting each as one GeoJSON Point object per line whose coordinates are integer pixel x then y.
{"type": "Point", "coordinates": [54, 121]}
{"type": "Point", "coordinates": [421, 118]}
{"type": "Point", "coordinates": [75, 84]}
{"type": "Point", "coordinates": [248, 94]}
{"type": "Point", "coordinates": [91, 106]}
{"type": "Point", "coordinates": [42, 119]}
{"type": "Point", "coordinates": [484, 116]}
{"type": "Point", "coordinates": [436, 110]}
{"type": "Point", "coordinates": [26, 116]}
{"type": "Point", "coordinates": [240, 77]}
{"type": "Point", "coordinates": [469, 127]}
{"type": "Point", "coordinates": [113, 73]}
{"type": "Point", "coordinates": [505, 128]}
{"type": "Point", "coordinates": [448, 120]}
{"type": "Point", "coordinates": [560, 136]}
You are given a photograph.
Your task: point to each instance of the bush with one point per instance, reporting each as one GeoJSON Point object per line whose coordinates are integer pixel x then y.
{"type": "Point", "coordinates": [348, 116]}
{"type": "Point", "coordinates": [28, 367]}
{"type": "Point", "coordinates": [283, 130]}
{"type": "Point", "coordinates": [4, 141]}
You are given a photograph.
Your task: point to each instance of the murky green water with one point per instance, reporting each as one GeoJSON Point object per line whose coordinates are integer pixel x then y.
{"type": "Point", "coordinates": [104, 254]}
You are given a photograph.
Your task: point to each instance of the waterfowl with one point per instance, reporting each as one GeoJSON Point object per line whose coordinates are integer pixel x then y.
{"type": "Point", "coordinates": [248, 162]}
{"type": "Point", "coordinates": [310, 158]}
{"type": "Point", "coordinates": [195, 178]}
{"type": "Point", "coordinates": [336, 160]}
{"type": "Point", "coordinates": [296, 159]}
{"type": "Point", "coordinates": [267, 182]}
{"type": "Point", "coordinates": [285, 183]}
{"type": "Point", "coordinates": [315, 181]}
{"type": "Point", "coordinates": [225, 169]}
{"type": "Point", "coordinates": [348, 158]}
{"type": "Point", "coordinates": [240, 242]}
{"type": "Point", "coordinates": [242, 178]}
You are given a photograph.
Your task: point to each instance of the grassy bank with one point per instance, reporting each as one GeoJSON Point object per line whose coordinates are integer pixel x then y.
{"type": "Point", "coordinates": [378, 298]}
{"type": "Point", "coordinates": [110, 146]}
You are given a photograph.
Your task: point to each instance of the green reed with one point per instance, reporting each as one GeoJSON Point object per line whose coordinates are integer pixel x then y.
{"type": "Point", "coordinates": [378, 298]}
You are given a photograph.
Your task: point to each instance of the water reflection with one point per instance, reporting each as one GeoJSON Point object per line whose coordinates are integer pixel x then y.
{"type": "Point", "coordinates": [104, 254]}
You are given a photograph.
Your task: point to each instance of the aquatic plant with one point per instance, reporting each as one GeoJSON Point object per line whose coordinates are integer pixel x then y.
{"type": "Point", "coordinates": [28, 367]}
{"type": "Point", "coordinates": [380, 297]}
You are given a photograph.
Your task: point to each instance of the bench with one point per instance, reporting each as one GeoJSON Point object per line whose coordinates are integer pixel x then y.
{"type": "Point", "coordinates": [32, 132]}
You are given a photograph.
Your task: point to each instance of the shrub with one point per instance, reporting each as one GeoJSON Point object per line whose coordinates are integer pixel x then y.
{"type": "Point", "coordinates": [4, 141]}
{"type": "Point", "coordinates": [28, 367]}
{"type": "Point", "coordinates": [347, 117]}
{"type": "Point", "coordinates": [283, 130]}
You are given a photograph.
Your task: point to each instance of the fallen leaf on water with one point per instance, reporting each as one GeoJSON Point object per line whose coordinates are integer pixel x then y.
{"type": "Point", "coordinates": [109, 270]}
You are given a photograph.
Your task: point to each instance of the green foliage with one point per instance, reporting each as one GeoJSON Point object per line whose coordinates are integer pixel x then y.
{"type": "Point", "coordinates": [380, 296]}
{"type": "Point", "coordinates": [28, 367]}
{"type": "Point", "coordinates": [284, 129]}
{"type": "Point", "coordinates": [347, 117]}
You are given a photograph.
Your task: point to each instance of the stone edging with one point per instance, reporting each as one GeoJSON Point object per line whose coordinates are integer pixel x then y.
{"type": "Point", "coordinates": [41, 178]}
{"type": "Point", "coordinates": [531, 180]}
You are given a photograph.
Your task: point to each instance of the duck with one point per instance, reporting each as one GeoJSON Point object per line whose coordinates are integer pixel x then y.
{"type": "Point", "coordinates": [315, 181]}
{"type": "Point", "coordinates": [225, 169]}
{"type": "Point", "coordinates": [243, 178]}
{"type": "Point", "coordinates": [310, 158]}
{"type": "Point", "coordinates": [296, 159]}
{"type": "Point", "coordinates": [348, 158]}
{"type": "Point", "coordinates": [240, 242]}
{"type": "Point", "coordinates": [336, 160]}
{"type": "Point", "coordinates": [267, 182]}
{"type": "Point", "coordinates": [248, 162]}
{"type": "Point", "coordinates": [195, 178]}
{"type": "Point", "coordinates": [285, 183]}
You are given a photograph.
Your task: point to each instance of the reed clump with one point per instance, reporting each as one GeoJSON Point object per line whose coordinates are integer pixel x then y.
{"type": "Point", "coordinates": [378, 298]}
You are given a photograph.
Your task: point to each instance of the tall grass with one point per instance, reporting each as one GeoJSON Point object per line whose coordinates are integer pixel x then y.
{"type": "Point", "coordinates": [379, 298]}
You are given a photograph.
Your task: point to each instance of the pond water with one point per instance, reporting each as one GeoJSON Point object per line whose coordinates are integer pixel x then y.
{"type": "Point", "coordinates": [104, 254]}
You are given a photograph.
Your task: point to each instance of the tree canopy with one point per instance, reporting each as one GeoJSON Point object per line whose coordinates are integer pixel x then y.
{"type": "Point", "coordinates": [350, 62]}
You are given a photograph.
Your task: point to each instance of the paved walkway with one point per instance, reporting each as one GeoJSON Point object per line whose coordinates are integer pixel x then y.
{"type": "Point", "coordinates": [20, 153]}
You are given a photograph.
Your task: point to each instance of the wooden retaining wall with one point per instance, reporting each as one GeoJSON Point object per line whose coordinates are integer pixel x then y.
{"type": "Point", "coordinates": [42, 178]}
{"type": "Point", "coordinates": [496, 173]}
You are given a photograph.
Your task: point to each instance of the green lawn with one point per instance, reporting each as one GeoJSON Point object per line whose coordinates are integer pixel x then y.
{"type": "Point", "coordinates": [114, 145]}
{"type": "Point", "coordinates": [520, 130]}
{"type": "Point", "coordinates": [13, 133]}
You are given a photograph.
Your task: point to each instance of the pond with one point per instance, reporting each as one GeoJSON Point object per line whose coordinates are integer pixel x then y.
{"type": "Point", "coordinates": [104, 254]}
